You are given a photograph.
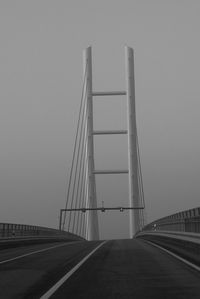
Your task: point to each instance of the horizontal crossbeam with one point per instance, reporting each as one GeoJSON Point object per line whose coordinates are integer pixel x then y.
{"type": "Point", "coordinates": [110, 132]}
{"type": "Point", "coordinates": [110, 171]}
{"type": "Point", "coordinates": [109, 93]}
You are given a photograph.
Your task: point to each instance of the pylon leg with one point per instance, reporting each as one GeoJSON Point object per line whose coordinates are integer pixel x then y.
{"type": "Point", "coordinates": [92, 218]}
{"type": "Point", "coordinates": [132, 142]}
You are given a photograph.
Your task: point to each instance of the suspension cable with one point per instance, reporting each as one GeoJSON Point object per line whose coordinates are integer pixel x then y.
{"type": "Point", "coordinates": [140, 182]}
{"type": "Point", "coordinates": [76, 166]}
{"type": "Point", "coordinates": [81, 201]}
{"type": "Point", "coordinates": [75, 144]}
{"type": "Point", "coordinates": [80, 146]}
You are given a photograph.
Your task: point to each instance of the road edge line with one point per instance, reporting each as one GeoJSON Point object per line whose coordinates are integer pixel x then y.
{"type": "Point", "coordinates": [33, 252]}
{"type": "Point", "coordinates": [176, 256]}
{"type": "Point", "coordinates": [56, 286]}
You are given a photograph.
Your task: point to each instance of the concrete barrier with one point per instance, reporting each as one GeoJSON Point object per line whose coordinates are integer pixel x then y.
{"type": "Point", "coordinates": [26, 241]}
{"type": "Point", "coordinates": [186, 245]}
{"type": "Point", "coordinates": [14, 235]}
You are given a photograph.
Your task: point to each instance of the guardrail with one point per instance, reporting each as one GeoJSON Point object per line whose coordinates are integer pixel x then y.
{"type": "Point", "coordinates": [12, 230]}
{"type": "Point", "coordinates": [183, 244]}
{"type": "Point", "coordinates": [179, 233]}
{"type": "Point", "coordinates": [185, 221]}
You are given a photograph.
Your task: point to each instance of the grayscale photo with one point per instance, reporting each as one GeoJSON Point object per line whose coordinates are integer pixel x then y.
{"type": "Point", "coordinates": [99, 149]}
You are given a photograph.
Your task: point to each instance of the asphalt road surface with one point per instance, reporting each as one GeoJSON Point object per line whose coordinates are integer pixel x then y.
{"type": "Point", "coordinates": [95, 270]}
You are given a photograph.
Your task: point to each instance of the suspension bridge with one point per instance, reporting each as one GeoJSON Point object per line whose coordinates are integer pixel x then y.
{"type": "Point", "coordinates": [159, 260]}
{"type": "Point", "coordinates": [81, 201]}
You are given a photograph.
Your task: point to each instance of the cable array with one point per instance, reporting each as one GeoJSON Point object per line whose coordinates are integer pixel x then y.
{"type": "Point", "coordinates": [142, 212]}
{"type": "Point", "coordinates": [75, 221]}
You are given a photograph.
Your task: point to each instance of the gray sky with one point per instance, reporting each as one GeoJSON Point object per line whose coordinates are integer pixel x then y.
{"type": "Point", "coordinates": [41, 80]}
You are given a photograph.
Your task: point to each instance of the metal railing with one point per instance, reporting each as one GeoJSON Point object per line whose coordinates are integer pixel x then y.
{"type": "Point", "coordinates": [8, 230]}
{"type": "Point", "coordinates": [185, 221]}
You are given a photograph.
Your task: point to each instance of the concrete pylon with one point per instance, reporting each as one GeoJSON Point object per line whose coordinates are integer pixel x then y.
{"type": "Point", "coordinates": [91, 200]}
{"type": "Point", "coordinates": [134, 223]}
{"type": "Point", "coordinates": [92, 225]}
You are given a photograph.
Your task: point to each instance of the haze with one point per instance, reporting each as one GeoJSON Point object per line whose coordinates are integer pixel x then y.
{"type": "Point", "coordinates": [41, 82]}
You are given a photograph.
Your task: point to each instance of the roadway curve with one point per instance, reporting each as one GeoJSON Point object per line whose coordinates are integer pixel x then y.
{"type": "Point", "coordinates": [117, 269]}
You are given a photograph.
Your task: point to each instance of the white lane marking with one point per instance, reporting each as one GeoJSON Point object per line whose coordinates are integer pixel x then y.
{"type": "Point", "coordinates": [176, 256]}
{"type": "Point", "coordinates": [53, 289]}
{"type": "Point", "coordinates": [33, 252]}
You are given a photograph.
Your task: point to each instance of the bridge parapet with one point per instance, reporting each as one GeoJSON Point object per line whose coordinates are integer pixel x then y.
{"type": "Point", "coordinates": [13, 230]}
{"type": "Point", "coordinates": [178, 233]}
{"type": "Point", "coordinates": [184, 221]}
{"type": "Point", "coordinates": [183, 244]}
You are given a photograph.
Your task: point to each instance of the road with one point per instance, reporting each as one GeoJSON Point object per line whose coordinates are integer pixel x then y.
{"type": "Point", "coordinates": [115, 269]}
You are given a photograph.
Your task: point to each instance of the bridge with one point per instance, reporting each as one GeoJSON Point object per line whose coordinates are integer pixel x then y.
{"type": "Point", "coordinates": [159, 260]}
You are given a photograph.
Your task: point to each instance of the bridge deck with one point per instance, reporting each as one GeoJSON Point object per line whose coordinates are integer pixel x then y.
{"type": "Point", "coordinates": [118, 269]}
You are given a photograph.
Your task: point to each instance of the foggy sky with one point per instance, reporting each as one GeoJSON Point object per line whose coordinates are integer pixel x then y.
{"type": "Point", "coordinates": [41, 80]}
